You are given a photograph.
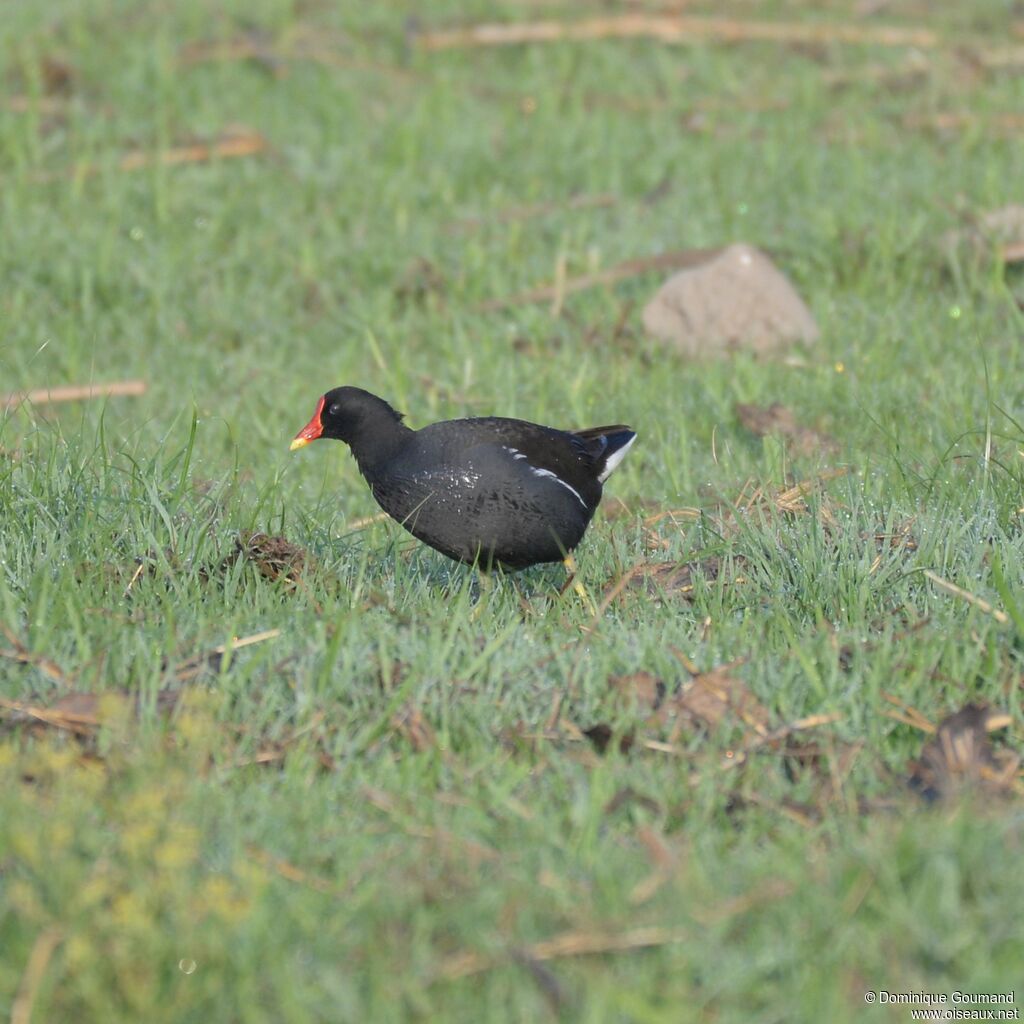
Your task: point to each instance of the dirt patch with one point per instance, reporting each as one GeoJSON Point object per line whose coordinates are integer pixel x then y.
{"type": "Point", "coordinates": [736, 298]}
{"type": "Point", "coordinates": [779, 421]}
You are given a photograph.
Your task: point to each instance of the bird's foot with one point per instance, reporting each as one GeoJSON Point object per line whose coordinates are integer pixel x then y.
{"type": "Point", "coordinates": [577, 584]}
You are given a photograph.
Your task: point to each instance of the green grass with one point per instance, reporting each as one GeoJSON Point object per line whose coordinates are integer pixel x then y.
{"type": "Point", "coordinates": [283, 848]}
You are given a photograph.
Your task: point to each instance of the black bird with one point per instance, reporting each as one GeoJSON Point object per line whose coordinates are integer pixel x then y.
{"type": "Point", "coordinates": [490, 491]}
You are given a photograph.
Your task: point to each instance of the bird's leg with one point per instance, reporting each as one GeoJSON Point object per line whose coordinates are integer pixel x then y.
{"type": "Point", "coordinates": [484, 591]}
{"type": "Point", "coordinates": [570, 567]}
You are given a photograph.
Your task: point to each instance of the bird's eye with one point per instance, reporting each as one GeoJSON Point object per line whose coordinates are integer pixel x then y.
{"type": "Point", "coordinates": [334, 410]}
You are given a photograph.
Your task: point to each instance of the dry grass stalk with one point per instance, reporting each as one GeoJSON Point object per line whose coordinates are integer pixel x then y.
{"type": "Point", "coordinates": [672, 29]}
{"type": "Point", "coordinates": [197, 664]}
{"type": "Point", "coordinates": [38, 960]}
{"type": "Point", "coordinates": [230, 146]}
{"type": "Point", "coordinates": [909, 715]}
{"type": "Point", "coordinates": [739, 757]}
{"type": "Point", "coordinates": [18, 652]}
{"type": "Point", "coordinates": [239, 144]}
{"type": "Point", "coordinates": [885, 75]}
{"type": "Point", "coordinates": [612, 275]}
{"type": "Point", "coordinates": [73, 393]}
{"type": "Point", "coordinates": [951, 588]}
{"type": "Point", "coordinates": [531, 210]}
{"type": "Point", "coordinates": [789, 501]}
{"type": "Point", "coordinates": [1002, 125]}
{"type": "Point", "coordinates": [289, 871]}
{"type": "Point", "coordinates": [573, 943]}
{"type": "Point", "coordinates": [40, 104]}
{"type": "Point", "coordinates": [364, 521]}
{"type": "Point", "coordinates": [773, 889]}
{"type": "Point", "coordinates": [82, 714]}
{"type": "Point", "coordinates": [275, 58]}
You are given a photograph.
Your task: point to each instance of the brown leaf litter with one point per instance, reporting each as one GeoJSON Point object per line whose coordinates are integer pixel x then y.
{"type": "Point", "coordinates": [274, 558]}
{"type": "Point", "coordinates": [787, 500]}
{"type": "Point", "coordinates": [706, 702]}
{"type": "Point", "coordinates": [82, 714]}
{"type": "Point", "coordinates": [675, 580]}
{"type": "Point", "coordinates": [961, 759]}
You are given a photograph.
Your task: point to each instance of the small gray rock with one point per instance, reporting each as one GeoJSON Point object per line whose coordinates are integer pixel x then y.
{"type": "Point", "coordinates": [735, 299]}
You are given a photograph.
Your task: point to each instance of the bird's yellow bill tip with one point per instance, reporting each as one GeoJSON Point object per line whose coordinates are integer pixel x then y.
{"type": "Point", "coordinates": [299, 442]}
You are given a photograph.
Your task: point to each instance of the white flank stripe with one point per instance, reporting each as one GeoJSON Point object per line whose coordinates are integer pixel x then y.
{"type": "Point", "coordinates": [615, 458]}
{"type": "Point", "coordinates": [554, 476]}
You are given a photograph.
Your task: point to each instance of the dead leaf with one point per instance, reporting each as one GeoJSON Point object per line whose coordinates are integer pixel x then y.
{"type": "Point", "coordinates": [642, 688]}
{"type": "Point", "coordinates": [961, 757]}
{"type": "Point", "coordinates": [777, 419]}
{"type": "Point", "coordinates": [713, 697]}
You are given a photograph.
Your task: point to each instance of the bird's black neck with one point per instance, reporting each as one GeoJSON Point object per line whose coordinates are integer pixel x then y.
{"type": "Point", "coordinates": [380, 439]}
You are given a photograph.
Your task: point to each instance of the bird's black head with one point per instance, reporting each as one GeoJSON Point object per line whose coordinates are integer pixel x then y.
{"type": "Point", "coordinates": [345, 414]}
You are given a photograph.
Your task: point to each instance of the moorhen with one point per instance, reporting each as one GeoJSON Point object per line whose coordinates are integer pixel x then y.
{"type": "Point", "coordinates": [489, 490]}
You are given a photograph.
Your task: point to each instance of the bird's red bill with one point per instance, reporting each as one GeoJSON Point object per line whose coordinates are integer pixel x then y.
{"type": "Point", "coordinates": [311, 431]}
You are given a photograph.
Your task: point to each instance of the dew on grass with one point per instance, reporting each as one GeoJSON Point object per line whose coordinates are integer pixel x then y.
{"type": "Point", "coordinates": [955, 312]}
{"type": "Point", "coordinates": [187, 966]}
{"type": "Point", "coordinates": [136, 234]}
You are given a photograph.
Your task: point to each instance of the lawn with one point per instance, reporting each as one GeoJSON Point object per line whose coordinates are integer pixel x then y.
{"type": "Point", "coordinates": [265, 758]}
